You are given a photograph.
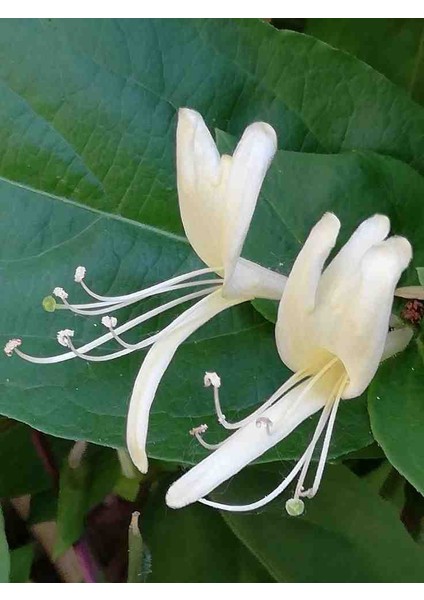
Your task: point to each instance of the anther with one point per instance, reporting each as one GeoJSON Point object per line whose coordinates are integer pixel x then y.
{"type": "Point", "coordinates": [63, 337]}
{"type": "Point", "coordinates": [212, 379]}
{"type": "Point", "coordinates": [11, 346]}
{"type": "Point", "coordinates": [109, 322]}
{"type": "Point", "coordinates": [200, 429]}
{"type": "Point", "coordinates": [60, 293]}
{"type": "Point", "coordinates": [295, 507]}
{"type": "Point", "coordinates": [264, 421]}
{"type": "Point", "coordinates": [79, 274]}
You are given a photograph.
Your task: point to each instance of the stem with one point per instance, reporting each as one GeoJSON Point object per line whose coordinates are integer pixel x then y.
{"type": "Point", "coordinates": [43, 449]}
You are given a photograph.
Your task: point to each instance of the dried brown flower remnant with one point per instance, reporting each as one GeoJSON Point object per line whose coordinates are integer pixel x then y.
{"type": "Point", "coordinates": [413, 311]}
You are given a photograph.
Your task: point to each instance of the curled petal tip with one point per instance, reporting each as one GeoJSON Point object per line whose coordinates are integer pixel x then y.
{"type": "Point", "coordinates": [263, 130]}
{"type": "Point", "coordinates": [189, 114]}
{"type": "Point", "coordinates": [139, 458]}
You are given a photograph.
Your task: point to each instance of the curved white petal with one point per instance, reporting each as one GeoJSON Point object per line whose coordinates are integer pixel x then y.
{"type": "Point", "coordinates": [252, 280]}
{"type": "Point", "coordinates": [250, 162]}
{"type": "Point", "coordinates": [201, 177]}
{"type": "Point", "coordinates": [370, 232]}
{"type": "Point", "coordinates": [155, 365]}
{"type": "Point", "coordinates": [412, 292]}
{"type": "Point", "coordinates": [293, 336]}
{"type": "Point", "coordinates": [368, 312]}
{"type": "Point", "coordinates": [396, 341]}
{"type": "Point", "coordinates": [250, 442]}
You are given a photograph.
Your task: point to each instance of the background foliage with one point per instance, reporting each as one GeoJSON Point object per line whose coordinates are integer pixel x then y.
{"type": "Point", "coordinates": [87, 176]}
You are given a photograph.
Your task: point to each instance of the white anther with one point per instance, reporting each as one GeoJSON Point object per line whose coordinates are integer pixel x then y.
{"type": "Point", "coordinates": [60, 293]}
{"type": "Point", "coordinates": [109, 322]}
{"type": "Point", "coordinates": [198, 430]}
{"type": "Point", "coordinates": [79, 274]}
{"type": "Point", "coordinates": [264, 421]}
{"type": "Point", "coordinates": [63, 337]}
{"type": "Point", "coordinates": [212, 379]}
{"type": "Point", "coordinates": [11, 346]}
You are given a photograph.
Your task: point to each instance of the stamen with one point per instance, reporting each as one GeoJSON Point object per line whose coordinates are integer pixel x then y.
{"type": "Point", "coordinates": [60, 293]}
{"type": "Point", "coordinates": [329, 407]}
{"type": "Point", "coordinates": [154, 289]}
{"type": "Point", "coordinates": [81, 352]}
{"type": "Point", "coordinates": [197, 433]}
{"type": "Point", "coordinates": [100, 308]}
{"type": "Point", "coordinates": [109, 322]}
{"type": "Point", "coordinates": [324, 452]}
{"type": "Point", "coordinates": [326, 414]}
{"type": "Point", "coordinates": [79, 274]}
{"type": "Point", "coordinates": [290, 383]}
{"type": "Point", "coordinates": [264, 421]}
{"type": "Point", "coordinates": [11, 346]}
{"type": "Point", "coordinates": [64, 337]}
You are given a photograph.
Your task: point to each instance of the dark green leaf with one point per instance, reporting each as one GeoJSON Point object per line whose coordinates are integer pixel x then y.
{"type": "Point", "coordinates": [22, 471]}
{"type": "Point", "coordinates": [396, 410]}
{"type": "Point", "coordinates": [194, 545]}
{"type": "Point", "coordinates": [347, 533]}
{"type": "Point", "coordinates": [395, 47]}
{"type": "Point", "coordinates": [4, 553]}
{"type": "Point", "coordinates": [20, 563]}
{"type": "Point", "coordinates": [81, 401]}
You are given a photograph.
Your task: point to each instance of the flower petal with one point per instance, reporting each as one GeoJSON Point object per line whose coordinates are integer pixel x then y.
{"type": "Point", "coordinates": [298, 301]}
{"type": "Point", "coordinates": [250, 162]}
{"type": "Point", "coordinates": [201, 176]}
{"type": "Point", "coordinates": [251, 280]}
{"type": "Point", "coordinates": [155, 365]}
{"type": "Point", "coordinates": [370, 232]}
{"type": "Point", "coordinates": [367, 312]}
{"type": "Point", "coordinates": [251, 441]}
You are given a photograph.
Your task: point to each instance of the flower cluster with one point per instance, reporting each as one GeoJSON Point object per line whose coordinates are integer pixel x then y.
{"type": "Point", "coordinates": [333, 327]}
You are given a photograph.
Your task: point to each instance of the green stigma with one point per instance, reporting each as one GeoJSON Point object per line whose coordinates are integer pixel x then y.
{"type": "Point", "coordinates": [49, 304]}
{"type": "Point", "coordinates": [295, 507]}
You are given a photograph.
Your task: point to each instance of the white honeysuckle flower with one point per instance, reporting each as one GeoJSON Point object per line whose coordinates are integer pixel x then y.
{"type": "Point", "coordinates": [332, 331]}
{"type": "Point", "coordinates": [217, 197]}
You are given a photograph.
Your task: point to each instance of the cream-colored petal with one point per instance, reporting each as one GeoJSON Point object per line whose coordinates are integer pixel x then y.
{"type": "Point", "coordinates": [412, 292]}
{"type": "Point", "coordinates": [360, 338]}
{"type": "Point", "coordinates": [292, 334]}
{"type": "Point", "coordinates": [370, 232]}
{"type": "Point", "coordinates": [250, 442]}
{"type": "Point", "coordinates": [250, 162]}
{"type": "Point", "coordinates": [253, 281]}
{"type": "Point", "coordinates": [396, 341]}
{"type": "Point", "coordinates": [201, 177]}
{"type": "Point", "coordinates": [155, 365]}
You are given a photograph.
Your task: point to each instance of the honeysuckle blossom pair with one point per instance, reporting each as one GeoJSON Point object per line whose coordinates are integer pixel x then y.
{"type": "Point", "coordinates": [332, 327]}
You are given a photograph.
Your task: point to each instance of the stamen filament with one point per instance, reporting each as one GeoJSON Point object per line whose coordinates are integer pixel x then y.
{"type": "Point", "coordinates": [324, 451]}
{"type": "Point", "coordinates": [102, 308]}
{"type": "Point", "coordinates": [330, 407]}
{"type": "Point", "coordinates": [328, 410]}
{"type": "Point", "coordinates": [287, 385]}
{"type": "Point", "coordinates": [148, 291]}
{"type": "Point", "coordinates": [121, 329]}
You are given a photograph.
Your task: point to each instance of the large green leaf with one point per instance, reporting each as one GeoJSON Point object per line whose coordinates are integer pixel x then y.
{"type": "Point", "coordinates": [396, 407]}
{"type": "Point", "coordinates": [4, 553]}
{"type": "Point", "coordinates": [88, 106]}
{"type": "Point", "coordinates": [347, 533]}
{"type": "Point", "coordinates": [108, 121]}
{"type": "Point", "coordinates": [194, 545]}
{"type": "Point", "coordinates": [88, 401]}
{"type": "Point", "coordinates": [395, 47]}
